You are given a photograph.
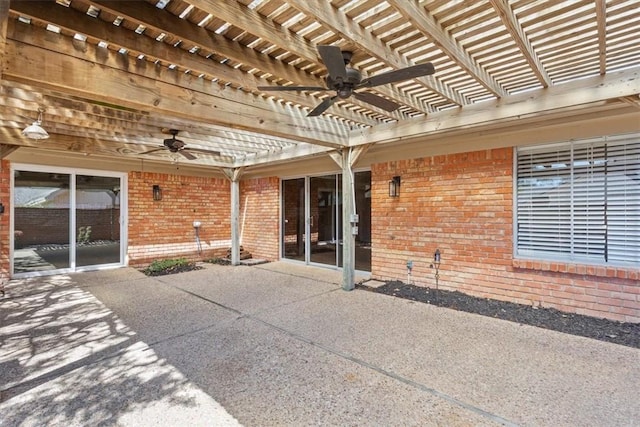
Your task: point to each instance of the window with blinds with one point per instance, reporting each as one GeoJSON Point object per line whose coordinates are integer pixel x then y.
{"type": "Point", "coordinates": [580, 201]}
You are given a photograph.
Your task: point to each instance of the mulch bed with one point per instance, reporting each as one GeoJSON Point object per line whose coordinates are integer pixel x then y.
{"type": "Point", "coordinates": [173, 270]}
{"type": "Point", "coordinates": [627, 334]}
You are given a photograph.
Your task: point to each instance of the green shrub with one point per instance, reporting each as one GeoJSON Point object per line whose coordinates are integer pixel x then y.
{"type": "Point", "coordinates": [168, 266]}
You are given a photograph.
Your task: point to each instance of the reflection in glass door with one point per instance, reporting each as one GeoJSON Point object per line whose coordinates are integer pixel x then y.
{"type": "Point", "coordinates": [63, 221]}
{"type": "Point", "coordinates": [293, 218]}
{"type": "Point", "coordinates": [41, 221]}
{"type": "Point", "coordinates": [325, 219]}
{"type": "Point", "coordinates": [97, 210]}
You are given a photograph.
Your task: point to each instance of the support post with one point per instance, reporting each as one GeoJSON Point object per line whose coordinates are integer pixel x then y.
{"type": "Point", "coordinates": [346, 159]}
{"type": "Point", "coordinates": [233, 175]}
{"type": "Point", "coordinates": [348, 211]}
{"type": "Point", "coordinates": [235, 222]}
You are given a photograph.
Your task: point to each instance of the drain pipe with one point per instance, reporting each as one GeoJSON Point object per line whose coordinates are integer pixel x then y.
{"type": "Point", "coordinates": [409, 268]}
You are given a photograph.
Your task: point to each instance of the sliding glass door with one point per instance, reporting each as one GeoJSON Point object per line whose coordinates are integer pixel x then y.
{"type": "Point", "coordinates": [97, 220]}
{"type": "Point", "coordinates": [326, 219]}
{"type": "Point", "coordinates": [312, 219]}
{"type": "Point", "coordinates": [63, 221]}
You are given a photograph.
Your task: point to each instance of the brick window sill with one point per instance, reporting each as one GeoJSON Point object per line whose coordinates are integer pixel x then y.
{"type": "Point", "coordinates": [581, 269]}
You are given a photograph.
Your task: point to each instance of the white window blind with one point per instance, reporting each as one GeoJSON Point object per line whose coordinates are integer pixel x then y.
{"type": "Point", "coordinates": [580, 201]}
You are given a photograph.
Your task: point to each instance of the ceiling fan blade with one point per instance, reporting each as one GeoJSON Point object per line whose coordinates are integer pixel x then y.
{"type": "Point", "coordinates": [320, 108]}
{"type": "Point", "coordinates": [153, 151]}
{"type": "Point", "coordinates": [187, 155]}
{"type": "Point", "coordinates": [376, 100]}
{"type": "Point", "coordinates": [296, 88]}
{"type": "Point", "coordinates": [333, 60]}
{"type": "Point", "coordinates": [202, 150]}
{"type": "Point", "coordinates": [399, 75]}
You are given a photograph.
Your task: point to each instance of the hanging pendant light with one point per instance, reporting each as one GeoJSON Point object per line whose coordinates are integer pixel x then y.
{"type": "Point", "coordinates": [35, 130]}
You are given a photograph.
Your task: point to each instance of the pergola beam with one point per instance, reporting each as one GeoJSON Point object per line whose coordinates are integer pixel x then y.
{"type": "Point", "coordinates": [243, 17]}
{"type": "Point", "coordinates": [151, 17]}
{"type": "Point", "coordinates": [73, 20]}
{"type": "Point", "coordinates": [49, 65]}
{"type": "Point", "coordinates": [520, 38]}
{"type": "Point", "coordinates": [340, 23]}
{"type": "Point", "coordinates": [540, 103]}
{"type": "Point", "coordinates": [4, 22]}
{"type": "Point", "coordinates": [416, 14]}
{"type": "Point", "coordinates": [601, 19]}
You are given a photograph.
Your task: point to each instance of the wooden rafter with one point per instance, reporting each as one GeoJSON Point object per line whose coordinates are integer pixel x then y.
{"type": "Point", "coordinates": [517, 33]}
{"type": "Point", "coordinates": [120, 73]}
{"type": "Point", "coordinates": [79, 22]}
{"type": "Point", "coordinates": [160, 91]}
{"type": "Point", "coordinates": [539, 103]}
{"type": "Point", "coordinates": [338, 22]}
{"type": "Point", "coordinates": [414, 13]}
{"type": "Point", "coordinates": [601, 19]}
{"type": "Point", "coordinates": [4, 21]}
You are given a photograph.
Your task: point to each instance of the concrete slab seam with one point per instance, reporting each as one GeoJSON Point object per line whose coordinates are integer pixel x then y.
{"type": "Point", "coordinates": [419, 386]}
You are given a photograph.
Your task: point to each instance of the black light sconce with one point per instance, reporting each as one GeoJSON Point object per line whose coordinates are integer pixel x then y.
{"type": "Point", "coordinates": [436, 258]}
{"type": "Point", "coordinates": [394, 187]}
{"type": "Point", "coordinates": [157, 193]}
{"type": "Point", "coordinates": [1, 208]}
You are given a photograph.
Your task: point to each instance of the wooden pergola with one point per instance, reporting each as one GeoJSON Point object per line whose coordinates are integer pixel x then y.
{"type": "Point", "coordinates": [110, 77]}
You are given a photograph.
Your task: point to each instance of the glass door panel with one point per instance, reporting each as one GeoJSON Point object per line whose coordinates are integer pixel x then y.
{"type": "Point", "coordinates": [293, 213]}
{"type": "Point", "coordinates": [41, 221]}
{"type": "Point", "coordinates": [325, 219]}
{"type": "Point", "coordinates": [97, 220]}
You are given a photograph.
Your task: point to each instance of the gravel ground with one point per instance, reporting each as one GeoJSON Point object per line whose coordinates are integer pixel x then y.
{"type": "Point", "coordinates": [591, 327]}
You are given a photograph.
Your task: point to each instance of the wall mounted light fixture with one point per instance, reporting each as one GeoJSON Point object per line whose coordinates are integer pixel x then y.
{"type": "Point", "coordinates": [157, 193]}
{"type": "Point", "coordinates": [35, 130]}
{"type": "Point", "coordinates": [394, 187]}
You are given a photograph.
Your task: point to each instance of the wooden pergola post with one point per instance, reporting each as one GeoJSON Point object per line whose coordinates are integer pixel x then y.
{"type": "Point", "coordinates": [233, 175]}
{"type": "Point", "coordinates": [346, 159]}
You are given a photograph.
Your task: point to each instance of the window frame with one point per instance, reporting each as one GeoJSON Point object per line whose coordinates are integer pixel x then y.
{"type": "Point", "coordinates": [630, 142]}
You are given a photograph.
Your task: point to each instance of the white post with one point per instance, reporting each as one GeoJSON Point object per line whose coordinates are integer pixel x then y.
{"type": "Point", "coordinates": [233, 175]}
{"type": "Point", "coordinates": [348, 224]}
{"type": "Point", "coordinates": [235, 221]}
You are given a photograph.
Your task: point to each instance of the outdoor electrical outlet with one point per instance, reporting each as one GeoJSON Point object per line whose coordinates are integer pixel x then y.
{"type": "Point", "coordinates": [196, 224]}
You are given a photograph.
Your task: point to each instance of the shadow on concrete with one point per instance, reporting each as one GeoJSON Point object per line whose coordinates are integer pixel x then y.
{"type": "Point", "coordinates": [67, 359]}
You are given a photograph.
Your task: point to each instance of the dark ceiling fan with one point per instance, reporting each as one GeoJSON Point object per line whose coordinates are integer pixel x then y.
{"type": "Point", "coordinates": [346, 80]}
{"type": "Point", "coordinates": [175, 145]}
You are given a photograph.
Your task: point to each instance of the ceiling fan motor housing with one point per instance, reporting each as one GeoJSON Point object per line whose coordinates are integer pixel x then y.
{"type": "Point", "coordinates": [173, 144]}
{"type": "Point", "coordinates": [345, 87]}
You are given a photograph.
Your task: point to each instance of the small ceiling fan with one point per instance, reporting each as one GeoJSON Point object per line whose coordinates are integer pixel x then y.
{"type": "Point", "coordinates": [346, 80]}
{"type": "Point", "coordinates": [175, 145]}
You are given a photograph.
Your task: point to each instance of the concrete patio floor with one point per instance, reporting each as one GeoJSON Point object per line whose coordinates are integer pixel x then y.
{"type": "Point", "coordinates": [282, 344]}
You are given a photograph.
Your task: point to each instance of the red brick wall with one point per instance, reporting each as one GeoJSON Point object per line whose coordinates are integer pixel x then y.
{"type": "Point", "coordinates": [164, 229]}
{"type": "Point", "coordinates": [5, 181]}
{"type": "Point", "coordinates": [259, 217]}
{"type": "Point", "coordinates": [463, 205]}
